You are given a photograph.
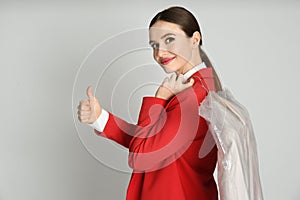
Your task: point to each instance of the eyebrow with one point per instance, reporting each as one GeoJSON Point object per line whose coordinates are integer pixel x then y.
{"type": "Point", "coordinates": [165, 35]}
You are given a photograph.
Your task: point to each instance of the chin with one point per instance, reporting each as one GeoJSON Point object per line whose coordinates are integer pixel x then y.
{"type": "Point", "coordinates": [167, 69]}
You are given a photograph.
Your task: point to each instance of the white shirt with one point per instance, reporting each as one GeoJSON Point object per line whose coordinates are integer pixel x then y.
{"type": "Point", "coordinates": [100, 123]}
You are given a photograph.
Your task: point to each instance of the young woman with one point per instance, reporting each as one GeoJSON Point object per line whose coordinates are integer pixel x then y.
{"type": "Point", "coordinates": [165, 143]}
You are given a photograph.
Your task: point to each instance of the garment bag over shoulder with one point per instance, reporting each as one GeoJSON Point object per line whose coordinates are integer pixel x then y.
{"type": "Point", "coordinates": [229, 123]}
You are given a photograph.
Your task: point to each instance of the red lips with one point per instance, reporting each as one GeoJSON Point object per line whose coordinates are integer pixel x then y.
{"type": "Point", "coordinates": [165, 61]}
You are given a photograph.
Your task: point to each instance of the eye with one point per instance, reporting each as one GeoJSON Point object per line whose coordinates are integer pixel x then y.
{"type": "Point", "coordinates": [154, 45]}
{"type": "Point", "coordinates": [169, 39]}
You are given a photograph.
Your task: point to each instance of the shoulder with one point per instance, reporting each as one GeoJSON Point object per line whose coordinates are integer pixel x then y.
{"type": "Point", "coordinates": [204, 78]}
{"type": "Point", "coordinates": [193, 95]}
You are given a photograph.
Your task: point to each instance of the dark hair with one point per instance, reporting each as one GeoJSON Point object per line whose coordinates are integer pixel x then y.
{"type": "Point", "coordinates": [188, 23]}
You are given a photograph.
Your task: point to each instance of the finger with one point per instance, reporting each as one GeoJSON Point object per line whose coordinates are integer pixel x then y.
{"type": "Point", "coordinates": [89, 93]}
{"type": "Point", "coordinates": [165, 80]}
{"type": "Point", "coordinates": [191, 81]}
{"type": "Point", "coordinates": [173, 78]}
{"type": "Point", "coordinates": [84, 102]}
{"type": "Point", "coordinates": [85, 108]}
{"type": "Point", "coordinates": [84, 113]}
{"type": "Point", "coordinates": [180, 78]}
{"type": "Point", "coordinates": [80, 118]}
{"type": "Point", "coordinates": [86, 121]}
{"type": "Point", "coordinates": [189, 84]}
{"type": "Point", "coordinates": [83, 119]}
{"type": "Point", "coordinates": [80, 106]}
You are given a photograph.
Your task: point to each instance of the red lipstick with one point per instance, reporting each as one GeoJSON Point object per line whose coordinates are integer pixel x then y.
{"type": "Point", "coordinates": [165, 61]}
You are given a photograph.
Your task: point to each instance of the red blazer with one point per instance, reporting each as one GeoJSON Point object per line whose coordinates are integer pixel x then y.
{"type": "Point", "coordinates": [164, 146]}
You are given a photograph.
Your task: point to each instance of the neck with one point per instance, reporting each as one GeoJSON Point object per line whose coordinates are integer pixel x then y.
{"type": "Point", "coordinates": [195, 60]}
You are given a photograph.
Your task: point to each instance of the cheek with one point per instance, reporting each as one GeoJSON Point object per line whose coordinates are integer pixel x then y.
{"type": "Point", "coordinates": [182, 49]}
{"type": "Point", "coordinates": [183, 55]}
{"type": "Point", "coordinates": [180, 61]}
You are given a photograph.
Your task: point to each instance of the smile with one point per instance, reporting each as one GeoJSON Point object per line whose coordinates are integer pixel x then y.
{"type": "Point", "coordinates": [166, 61]}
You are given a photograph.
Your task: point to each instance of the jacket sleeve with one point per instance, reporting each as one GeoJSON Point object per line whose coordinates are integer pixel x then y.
{"type": "Point", "coordinates": [119, 130]}
{"type": "Point", "coordinates": [164, 133]}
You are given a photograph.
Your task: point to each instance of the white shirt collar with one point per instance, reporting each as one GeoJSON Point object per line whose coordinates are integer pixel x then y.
{"type": "Point", "coordinates": [193, 70]}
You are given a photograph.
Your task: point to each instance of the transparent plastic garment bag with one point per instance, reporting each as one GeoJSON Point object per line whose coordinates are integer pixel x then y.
{"type": "Point", "coordinates": [229, 123]}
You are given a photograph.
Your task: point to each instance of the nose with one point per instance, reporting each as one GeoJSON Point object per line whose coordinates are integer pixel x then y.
{"type": "Point", "coordinates": [161, 52]}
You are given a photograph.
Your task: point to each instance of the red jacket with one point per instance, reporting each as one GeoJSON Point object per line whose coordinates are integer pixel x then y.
{"type": "Point", "coordinates": [164, 146]}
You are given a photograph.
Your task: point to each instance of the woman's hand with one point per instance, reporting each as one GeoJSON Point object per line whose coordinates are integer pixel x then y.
{"type": "Point", "coordinates": [172, 86]}
{"type": "Point", "coordinates": [89, 110]}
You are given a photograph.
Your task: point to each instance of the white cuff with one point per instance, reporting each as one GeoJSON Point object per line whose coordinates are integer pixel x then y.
{"type": "Point", "coordinates": [100, 123]}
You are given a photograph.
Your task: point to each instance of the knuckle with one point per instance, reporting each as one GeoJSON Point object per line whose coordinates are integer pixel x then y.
{"type": "Point", "coordinates": [84, 102]}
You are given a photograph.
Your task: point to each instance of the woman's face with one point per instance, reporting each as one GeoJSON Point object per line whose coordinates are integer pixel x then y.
{"type": "Point", "coordinates": [172, 48]}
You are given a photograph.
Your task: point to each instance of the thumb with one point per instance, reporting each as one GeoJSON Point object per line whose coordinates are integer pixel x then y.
{"type": "Point", "coordinates": [188, 84]}
{"type": "Point", "coordinates": [191, 82]}
{"type": "Point", "coordinates": [89, 93]}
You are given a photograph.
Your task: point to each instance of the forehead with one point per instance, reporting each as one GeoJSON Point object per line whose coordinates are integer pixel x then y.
{"type": "Point", "coordinates": [162, 27]}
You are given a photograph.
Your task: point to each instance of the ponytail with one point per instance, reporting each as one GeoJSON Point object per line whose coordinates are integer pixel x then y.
{"type": "Point", "coordinates": [207, 62]}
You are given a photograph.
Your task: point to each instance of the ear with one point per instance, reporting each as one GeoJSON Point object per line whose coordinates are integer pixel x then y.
{"type": "Point", "coordinates": [196, 38]}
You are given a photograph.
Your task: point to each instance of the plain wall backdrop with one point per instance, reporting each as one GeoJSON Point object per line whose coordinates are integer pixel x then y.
{"type": "Point", "coordinates": [255, 48]}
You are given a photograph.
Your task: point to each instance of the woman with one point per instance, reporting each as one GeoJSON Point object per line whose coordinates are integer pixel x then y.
{"type": "Point", "coordinates": [164, 145]}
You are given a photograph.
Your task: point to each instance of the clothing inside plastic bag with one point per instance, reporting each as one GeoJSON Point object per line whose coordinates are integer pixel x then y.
{"type": "Point", "coordinates": [229, 123]}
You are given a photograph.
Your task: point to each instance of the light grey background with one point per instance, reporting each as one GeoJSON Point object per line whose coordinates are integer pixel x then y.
{"type": "Point", "coordinates": [254, 46]}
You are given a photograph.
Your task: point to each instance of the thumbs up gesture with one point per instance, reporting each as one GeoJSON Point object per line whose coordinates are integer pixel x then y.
{"type": "Point", "coordinates": [89, 110]}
